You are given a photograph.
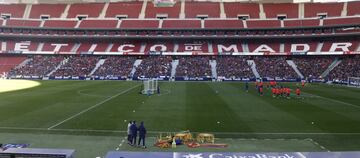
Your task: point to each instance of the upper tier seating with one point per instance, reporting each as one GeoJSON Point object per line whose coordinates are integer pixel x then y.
{"type": "Point", "coordinates": [139, 24]}
{"type": "Point", "coordinates": [52, 10]}
{"type": "Point", "coordinates": [331, 9]}
{"type": "Point", "coordinates": [60, 23]}
{"type": "Point", "coordinates": [171, 12]}
{"type": "Point", "coordinates": [263, 23]}
{"type": "Point", "coordinates": [90, 10]}
{"type": "Point", "coordinates": [342, 21]}
{"type": "Point", "coordinates": [98, 24]}
{"type": "Point", "coordinates": [224, 24]}
{"type": "Point", "coordinates": [233, 9]}
{"type": "Point", "coordinates": [353, 8]}
{"type": "Point", "coordinates": [272, 10]}
{"type": "Point", "coordinates": [301, 23]}
{"type": "Point", "coordinates": [9, 62]}
{"type": "Point", "coordinates": [100, 47]}
{"type": "Point", "coordinates": [181, 24]}
{"type": "Point", "coordinates": [23, 23]}
{"type": "Point", "coordinates": [15, 10]}
{"type": "Point", "coordinates": [130, 9]}
{"type": "Point", "coordinates": [193, 9]}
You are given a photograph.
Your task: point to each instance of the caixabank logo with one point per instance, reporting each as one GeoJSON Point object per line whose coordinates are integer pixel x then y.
{"type": "Point", "coordinates": [238, 155]}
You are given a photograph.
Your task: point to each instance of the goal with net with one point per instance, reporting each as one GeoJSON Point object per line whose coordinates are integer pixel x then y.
{"type": "Point", "coordinates": [353, 82]}
{"type": "Point", "coordinates": [150, 86]}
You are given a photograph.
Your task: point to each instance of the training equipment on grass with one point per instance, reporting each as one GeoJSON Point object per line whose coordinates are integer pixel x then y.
{"type": "Point", "coordinates": [150, 86]}
{"type": "Point", "coordinates": [354, 82]}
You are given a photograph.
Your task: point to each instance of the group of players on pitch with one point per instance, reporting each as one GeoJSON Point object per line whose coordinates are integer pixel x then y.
{"type": "Point", "coordinates": [276, 89]}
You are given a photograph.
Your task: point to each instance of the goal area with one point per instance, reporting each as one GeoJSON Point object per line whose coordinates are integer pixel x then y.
{"type": "Point", "coordinates": [150, 86]}
{"type": "Point", "coordinates": [353, 82]}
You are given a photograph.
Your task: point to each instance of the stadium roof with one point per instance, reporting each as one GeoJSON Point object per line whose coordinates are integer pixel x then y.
{"type": "Point", "coordinates": [94, 1]}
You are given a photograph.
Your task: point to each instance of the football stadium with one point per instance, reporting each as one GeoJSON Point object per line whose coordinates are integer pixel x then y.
{"type": "Point", "coordinates": [180, 79]}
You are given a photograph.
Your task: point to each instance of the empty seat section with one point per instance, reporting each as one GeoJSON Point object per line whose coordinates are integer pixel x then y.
{"type": "Point", "coordinates": [131, 46]}
{"type": "Point", "coordinates": [312, 45]}
{"type": "Point", "coordinates": [288, 9]}
{"type": "Point", "coordinates": [131, 9]}
{"type": "Point", "coordinates": [263, 23]}
{"type": "Point", "coordinates": [158, 46]}
{"type": "Point", "coordinates": [89, 9]}
{"type": "Point", "coordinates": [98, 24]}
{"type": "Point", "coordinates": [327, 45]}
{"type": "Point", "coordinates": [301, 23]}
{"type": "Point", "coordinates": [353, 8]}
{"type": "Point", "coordinates": [223, 24]}
{"type": "Point", "coordinates": [9, 62]}
{"type": "Point", "coordinates": [27, 23]}
{"type": "Point", "coordinates": [60, 23]}
{"type": "Point", "coordinates": [52, 10]}
{"type": "Point", "coordinates": [233, 9]}
{"type": "Point", "coordinates": [15, 10]}
{"type": "Point", "coordinates": [171, 12]}
{"type": "Point", "coordinates": [332, 9]}
{"type": "Point", "coordinates": [139, 24]}
{"type": "Point", "coordinates": [100, 47]}
{"type": "Point", "coordinates": [212, 9]}
{"type": "Point", "coordinates": [181, 24]}
{"type": "Point", "coordinates": [342, 21]}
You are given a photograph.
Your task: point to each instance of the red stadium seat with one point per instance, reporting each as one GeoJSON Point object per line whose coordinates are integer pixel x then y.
{"type": "Point", "coordinates": [139, 24]}
{"type": "Point", "coordinates": [15, 10]}
{"type": "Point", "coordinates": [90, 9]}
{"type": "Point", "coordinates": [171, 12]}
{"type": "Point", "coordinates": [263, 23]}
{"type": "Point", "coordinates": [98, 24]}
{"type": "Point", "coordinates": [181, 24]}
{"type": "Point", "coordinates": [342, 21]}
{"type": "Point", "coordinates": [353, 8]}
{"type": "Point", "coordinates": [193, 9]}
{"type": "Point", "coordinates": [331, 9]}
{"type": "Point", "coordinates": [53, 10]}
{"type": "Point", "coordinates": [23, 23]}
{"type": "Point", "coordinates": [301, 23]}
{"type": "Point", "coordinates": [60, 23]}
{"type": "Point", "coordinates": [9, 62]}
{"type": "Point", "coordinates": [272, 10]}
{"type": "Point", "coordinates": [224, 24]}
{"type": "Point", "coordinates": [233, 9]}
{"type": "Point", "coordinates": [131, 9]}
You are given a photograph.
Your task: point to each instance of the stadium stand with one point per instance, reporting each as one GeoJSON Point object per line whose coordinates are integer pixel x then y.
{"type": "Point", "coordinates": [233, 9]}
{"type": "Point", "coordinates": [60, 23]}
{"type": "Point", "coordinates": [23, 23]}
{"type": "Point", "coordinates": [353, 8]}
{"type": "Point", "coordinates": [89, 10]}
{"type": "Point", "coordinates": [341, 21]}
{"type": "Point", "coordinates": [115, 66]}
{"type": "Point", "coordinates": [39, 65]}
{"type": "Point", "coordinates": [329, 9]}
{"type": "Point", "coordinates": [195, 9]}
{"type": "Point", "coordinates": [290, 10]}
{"type": "Point", "coordinates": [263, 23]}
{"type": "Point", "coordinates": [98, 24]}
{"type": "Point", "coordinates": [224, 24]}
{"type": "Point", "coordinates": [50, 10]}
{"type": "Point", "coordinates": [192, 67]}
{"type": "Point", "coordinates": [154, 66]}
{"type": "Point", "coordinates": [349, 67]}
{"type": "Point", "coordinates": [171, 12]}
{"type": "Point", "coordinates": [139, 24]}
{"type": "Point", "coordinates": [181, 24]}
{"type": "Point", "coordinates": [77, 66]}
{"type": "Point", "coordinates": [233, 67]}
{"type": "Point", "coordinates": [13, 10]}
{"type": "Point", "coordinates": [313, 66]}
{"type": "Point", "coordinates": [129, 9]}
{"type": "Point", "coordinates": [301, 23]}
{"type": "Point", "coordinates": [9, 62]}
{"type": "Point", "coordinates": [273, 67]}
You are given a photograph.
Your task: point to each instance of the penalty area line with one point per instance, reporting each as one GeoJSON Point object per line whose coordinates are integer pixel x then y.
{"type": "Point", "coordinates": [92, 107]}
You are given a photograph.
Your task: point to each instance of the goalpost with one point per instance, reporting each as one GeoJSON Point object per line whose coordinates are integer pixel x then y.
{"type": "Point", "coordinates": [353, 82]}
{"type": "Point", "coordinates": [150, 86]}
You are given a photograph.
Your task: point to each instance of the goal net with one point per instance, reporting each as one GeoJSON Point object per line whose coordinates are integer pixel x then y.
{"type": "Point", "coordinates": [150, 86]}
{"type": "Point", "coordinates": [354, 81]}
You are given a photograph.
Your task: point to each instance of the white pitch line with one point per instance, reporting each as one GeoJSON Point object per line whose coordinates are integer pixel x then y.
{"type": "Point", "coordinates": [92, 107]}
{"type": "Point", "coordinates": [316, 143]}
{"type": "Point", "coordinates": [334, 100]}
{"type": "Point", "coordinates": [156, 132]}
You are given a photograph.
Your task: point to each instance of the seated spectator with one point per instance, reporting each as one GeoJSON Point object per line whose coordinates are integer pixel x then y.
{"type": "Point", "coordinates": [233, 67]}
{"type": "Point", "coordinates": [154, 66]}
{"type": "Point", "coordinates": [194, 66]}
{"type": "Point", "coordinates": [313, 66]}
{"type": "Point", "coordinates": [275, 66]}
{"type": "Point", "coordinates": [349, 67]}
{"type": "Point", "coordinates": [77, 66]}
{"type": "Point", "coordinates": [116, 66]}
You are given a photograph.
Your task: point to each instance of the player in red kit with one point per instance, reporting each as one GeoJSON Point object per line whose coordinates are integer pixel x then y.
{"type": "Point", "coordinates": [298, 92]}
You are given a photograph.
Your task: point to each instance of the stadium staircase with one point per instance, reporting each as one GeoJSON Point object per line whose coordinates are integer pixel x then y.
{"type": "Point", "coordinates": [174, 65]}
{"type": "Point", "coordinates": [58, 67]}
{"type": "Point", "coordinates": [23, 63]}
{"type": "Point", "coordinates": [213, 68]}
{"type": "Point", "coordinates": [100, 62]}
{"type": "Point", "coordinates": [335, 63]}
{"type": "Point", "coordinates": [136, 64]}
{"type": "Point", "coordinates": [252, 64]}
{"type": "Point", "coordinates": [293, 65]}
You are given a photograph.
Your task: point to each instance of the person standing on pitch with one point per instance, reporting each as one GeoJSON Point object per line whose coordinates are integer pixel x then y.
{"type": "Point", "coordinates": [133, 130]}
{"type": "Point", "coordinates": [129, 132]}
{"type": "Point", "coordinates": [247, 86]}
{"type": "Point", "coordinates": [142, 133]}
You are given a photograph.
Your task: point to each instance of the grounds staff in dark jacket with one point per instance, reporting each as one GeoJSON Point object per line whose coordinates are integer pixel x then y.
{"type": "Point", "coordinates": [142, 133]}
{"type": "Point", "coordinates": [133, 130]}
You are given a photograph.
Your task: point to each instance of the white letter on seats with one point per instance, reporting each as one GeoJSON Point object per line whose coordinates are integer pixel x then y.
{"type": "Point", "coordinates": [161, 46]}
{"type": "Point", "coordinates": [121, 48]}
{"type": "Point", "coordinates": [231, 48]}
{"type": "Point", "coordinates": [343, 46]}
{"type": "Point", "coordinates": [295, 48]}
{"type": "Point", "coordinates": [23, 46]}
{"type": "Point", "coordinates": [58, 46]}
{"type": "Point", "coordinates": [263, 48]}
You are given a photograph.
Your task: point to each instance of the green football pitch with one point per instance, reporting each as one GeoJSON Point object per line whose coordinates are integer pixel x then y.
{"type": "Point", "coordinates": [91, 116]}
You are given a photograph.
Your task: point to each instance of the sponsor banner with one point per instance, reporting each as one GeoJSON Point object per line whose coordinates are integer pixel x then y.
{"type": "Point", "coordinates": [115, 154]}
